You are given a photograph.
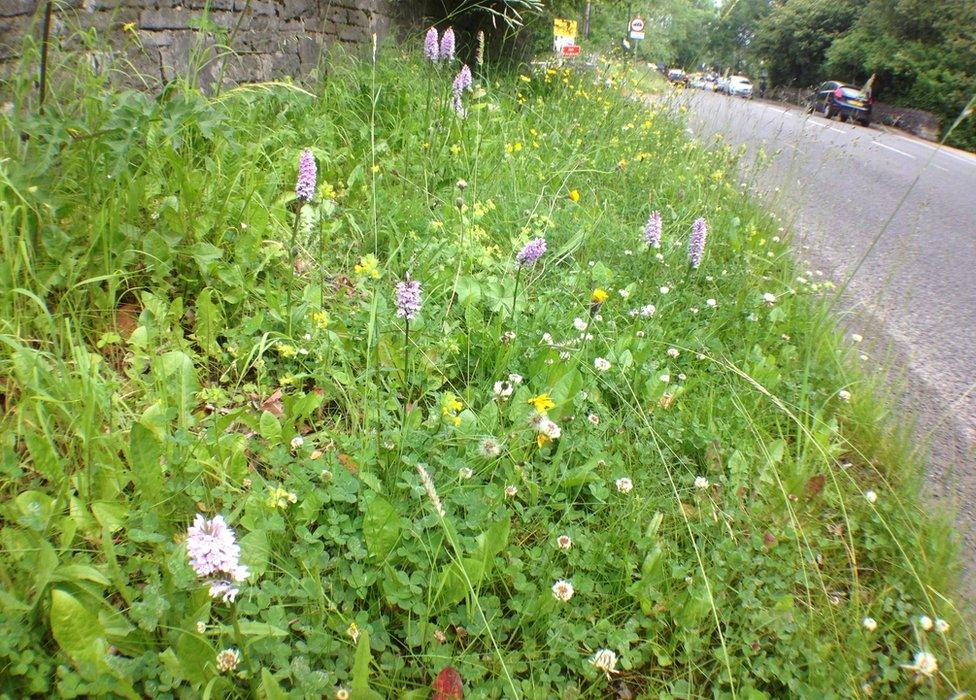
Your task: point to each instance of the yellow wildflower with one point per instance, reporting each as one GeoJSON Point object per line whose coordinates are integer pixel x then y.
{"type": "Point", "coordinates": [542, 403]}
{"type": "Point", "coordinates": [574, 195]}
{"type": "Point", "coordinates": [541, 439]}
{"type": "Point", "coordinates": [368, 267]}
{"type": "Point", "coordinates": [286, 350]}
{"type": "Point", "coordinates": [321, 319]}
{"type": "Point", "coordinates": [599, 295]}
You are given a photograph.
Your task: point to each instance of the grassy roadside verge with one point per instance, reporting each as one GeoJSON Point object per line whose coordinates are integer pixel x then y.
{"type": "Point", "coordinates": [179, 337]}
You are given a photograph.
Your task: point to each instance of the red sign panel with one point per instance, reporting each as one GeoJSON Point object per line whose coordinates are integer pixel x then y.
{"type": "Point", "coordinates": [571, 50]}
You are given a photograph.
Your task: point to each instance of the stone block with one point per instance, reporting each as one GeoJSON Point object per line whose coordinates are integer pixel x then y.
{"type": "Point", "coordinates": [16, 8]}
{"type": "Point", "coordinates": [165, 18]}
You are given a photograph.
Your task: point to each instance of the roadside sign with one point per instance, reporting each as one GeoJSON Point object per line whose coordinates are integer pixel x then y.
{"type": "Point", "coordinates": [636, 28]}
{"type": "Point", "coordinates": [571, 50]}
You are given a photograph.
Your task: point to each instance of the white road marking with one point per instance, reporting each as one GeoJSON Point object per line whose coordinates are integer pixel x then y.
{"type": "Point", "coordinates": [936, 147]}
{"type": "Point", "coordinates": [890, 148]}
{"type": "Point", "coordinates": [839, 131]}
{"type": "Point", "coordinates": [945, 170]}
{"type": "Point", "coordinates": [776, 109]}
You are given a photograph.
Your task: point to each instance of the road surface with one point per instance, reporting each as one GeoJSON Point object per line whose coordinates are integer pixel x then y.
{"type": "Point", "coordinates": [895, 216]}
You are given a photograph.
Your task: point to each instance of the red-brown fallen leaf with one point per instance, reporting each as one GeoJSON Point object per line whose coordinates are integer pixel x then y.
{"type": "Point", "coordinates": [349, 463]}
{"type": "Point", "coordinates": [815, 485]}
{"type": "Point", "coordinates": [447, 685]}
{"type": "Point", "coordinates": [127, 319]}
{"type": "Point", "coordinates": [272, 404]}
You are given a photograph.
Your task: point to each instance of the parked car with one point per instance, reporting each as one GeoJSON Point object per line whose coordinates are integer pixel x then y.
{"type": "Point", "coordinates": [722, 85]}
{"type": "Point", "coordinates": [698, 82]}
{"type": "Point", "coordinates": [676, 75]}
{"type": "Point", "coordinates": [834, 98]}
{"type": "Point", "coordinates": [740, 86]}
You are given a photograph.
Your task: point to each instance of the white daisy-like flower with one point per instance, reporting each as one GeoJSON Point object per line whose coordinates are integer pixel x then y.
{"type": "Point", "coordinates": [925, 622]}
{"type": "Point", "coordinates": [673, 352]}
{"type": "Point", "coordinates": [511, 491]}
{"type": "Point", "coordinates": [564, 542]}
{"type": "Point", "coordinates": [624, 485]}
{"type": "Point", "coordinates": [701, 482]}
{"type": "Point", "coordinates": [562, 590]}
{"type": "Point", "coordinates": [605, 660]}
{"type": "Point", "coordinates": [602, 364]}
{"type": "Point", "coordinates": [579, 324]}
{"type": "Point", "coordinates": [871, 496]}
{"type": "Point", "coordinates": [711, 302]}
{"type": "Point", "coordinates": [870, 624]}
{"type": "Point", "coordinates": [925, 664]}
{"type": "Point", "coordinates": [844, 395]}
{"type": "Point", "coordinates": [769, 298]}
{"type": "Point", "coordinates": [941, 626]}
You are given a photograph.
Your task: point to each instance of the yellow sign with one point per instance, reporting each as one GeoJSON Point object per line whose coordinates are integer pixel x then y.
{"type": "Point", "coordinates": [564, 27]}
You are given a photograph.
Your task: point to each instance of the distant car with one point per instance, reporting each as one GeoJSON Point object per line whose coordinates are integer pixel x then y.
{"type": "Point", "coordinates": [740, 86]}
{"type": "Point", "coordinates": [722, 85]}
{"type": "Point", "coordinates": [676, 75]}
{"type": "Point", "coordinates": [698, 82]}
{"type": "Point", "coordinates": [834, 98]}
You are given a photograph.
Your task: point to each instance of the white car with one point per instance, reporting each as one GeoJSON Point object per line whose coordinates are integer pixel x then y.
{"type": "Point", "coordinates": [740, 86]}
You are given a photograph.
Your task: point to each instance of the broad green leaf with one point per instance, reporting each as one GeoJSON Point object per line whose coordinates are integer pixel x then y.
{"type": "Point", "coordinates": [195, 655]}
{"type": "Point", "coordinates": [270, 428]}
{"type": "Point", "coordinates": [35, 509]}
{"type": "Point", "coordinates": [177, 378]}
{"type": "Point", "coordinates": [77, 631]}
{"type": "Point", "coordinates": [110, 515]}
{"type": "Point", "coordinates": [360, 671]}
{"type": "Point", "coordinates": [381, 526]}
{"type": "Point", "coordinates": [255, 551]}
{"type": "Point", "coordinates": [209, 322]}
{"type": "Point", "coordinates": [270, 689]}
{"type": "Point", "coordinates": [145, 453]}
{"type": "Point", "coordinates": [250, 628]}
{"type": "Point", "coordinates": [80, 572]}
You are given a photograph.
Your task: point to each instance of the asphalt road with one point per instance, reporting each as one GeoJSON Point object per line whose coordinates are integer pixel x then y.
{"type": "Point", "coordinates": [896, 216]}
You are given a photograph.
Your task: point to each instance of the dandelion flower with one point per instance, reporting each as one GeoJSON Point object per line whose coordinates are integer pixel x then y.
{"type": "Point", "coordinates": [564, 542]}
{"type": "Point", "coordinates": [870, 624]}
{"type": "Point", "coordinates": [696, 243]}
{"type": "Point", "coordinates": [562, 590]}
{"type": "Point", "coordinates": [602, 364]}
{"type": "Point", "coordinates": [305, 187]}
{"type": "Point", "coordinates": [624, 485]}
{"type": "Point", "coordinates": [599, 296]}
{"type": "Point", "coordinates": [605, 660]}
{"type": "Point", "coordinates": [227, 660]}
{"type": "Point", "coordinates": [490, 448]}
{"type": "Point", "coordinates": [408, 300]}
{"type": "Point", "coordinates": [542, 403]}
{"type": "Point", "coordinates": [652, 230]}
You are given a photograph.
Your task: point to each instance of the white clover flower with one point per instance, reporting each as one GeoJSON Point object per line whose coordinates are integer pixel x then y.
{"type": "Point", "coordinates": [633, 313]}
{"type": "Point", "coordinates": [605, 660]}
{"type": "Point", "coordinates": [227, 660]}
{"type": "Point", "coordinates": [647, 310]}
{"type": "Point", "coordinates": [665, 290]}
{"type": "Point", "coordinates": [489, 447]}
{"type": "Point", "coordinates": [511, 490]}
{"type": "Point", "coordinates": [870, 624]}
{"type": "Point", "coordinates": [342, 694]}
{"type": "Point", "coordinates": [701, 482]}
{"type": "Point", "coordinates": [579, 324]}
{"type": "Point", "coordinates": [623, 293]}
{"type": "Point", "coordinates": [624, 485]}
{"type": "Point", "coordinates": [565, 355]}
{"type": "Point", "coordinates": [601, 364]}
{"type": "Point", "coordinates": [693, 310]}
{"type": "Point", "coordinates": [549, 428]}
{"type": "Point", "coordinates": [665, 378]}
{"type": "Point", "coordinates": [659, 257]}
{"type": "Point", "coordinates": [353, 632]}
{"type": "Point", "coordinates": [201, 626]}
{"type": "Point", "coordinates": [547, 338]}
{"type": "Point", "coordinates": [593, 418]}
{"type": "Point", "coordinates": [562, 590]}
{"type": "Point", "coordinates": [711, 302]}
{"type": "Point", "coordinates": [564, 542]}
{"type": "Point", "coordinates": [844, 395]}
{"type": "Point", "coordinates": [871, 496]}
{"type": "Point", "coordinates": [682, 376]}
{"type": "Point", "coordinates": [925, 622]}
{"type": "Point", "coordinates": [465, 472]}
{"type": "Point", "coordinates": [639, 334]}
{"type": "Point", "coordinates": [503, 390]}
{"type": "Point", "coordinates": [769, 298]}
{"type": "Point", "coordinates": [297, 442]}
{"type": "Point", "coordinates": [515, 378]}
{"type": "Point", "coordinates": [925, 664]}
{"type": "Point", "coordinates": [941, 626]}
{"type": "Point", "coordinates": [628, 252]}
{"type": "Point", "coordinates": [673, 352]}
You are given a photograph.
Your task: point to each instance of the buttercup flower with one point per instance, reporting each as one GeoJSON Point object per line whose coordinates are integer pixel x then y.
{"type": "Point", "coordinates": [531, 252]}
{"type": "Point", "coordinates": [574, 195]}
{"type": "Point", "coordinates": [562, 590]}
{"type": "Point", "coordinates": [431, 51]}
{"type": "Point", "coordinates": [408, 300]}
{"type": "Point", "coordinates": [305, 187]}
{"type": "Point", "coordinates": [696, 243]}
{"type": "Point", "coordinates": [227, 660]}
{"type": "Point", "coordinates": [605, 660]}
{"type": "Point", "coordinates": [624, 485]}
{"type": "Point", "coordinates": [564, 542]}
{"type": "Point", "coordinates": [447, 45]}
{"type": "Point", "coordinates": [652, 230]}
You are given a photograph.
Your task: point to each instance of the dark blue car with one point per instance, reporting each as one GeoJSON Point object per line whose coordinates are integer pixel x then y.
{"type": "Point", "coordinates": [835, 99]}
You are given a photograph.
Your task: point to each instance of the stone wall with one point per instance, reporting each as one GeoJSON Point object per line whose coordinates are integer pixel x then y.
{"type": "Point", "coordinates": [158, 40]}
